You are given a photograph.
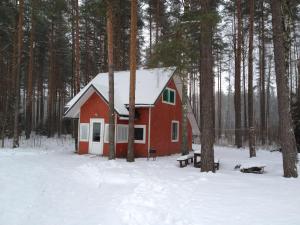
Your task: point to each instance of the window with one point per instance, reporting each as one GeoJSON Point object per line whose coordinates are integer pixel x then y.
{"type": "Point", "coordinates": [96, 132]}
{"type": "Point", "coordinates": [122, 133]}
{"type": "Point", "coordinates": [84, 131]}
{"type": "Point", "coordinates": [175, 131]}
{"type": "Point", "coordinates": [169, 96]}
{"type": "Point", "coordinates": [140, 134]}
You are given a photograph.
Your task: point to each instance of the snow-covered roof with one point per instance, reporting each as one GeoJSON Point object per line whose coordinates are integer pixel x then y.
{"type": "Point", "coordinates": [149, 85]}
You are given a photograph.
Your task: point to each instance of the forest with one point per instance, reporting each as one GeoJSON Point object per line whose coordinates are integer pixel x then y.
{"type": "Point", "coordinates": [239, 61]}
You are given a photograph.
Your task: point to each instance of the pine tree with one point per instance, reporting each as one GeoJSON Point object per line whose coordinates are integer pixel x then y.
{"type": "Point", "coordinates": [18, 74]}
{"type": "Point", "coordinates": [30, 74]}
{"type": "Point", "coordinates": [133, 40]}
{"type": "Point", "coordinates": [110, 48]}
{"type": "Point", "coordinates": [286, 134]}
{"type": "Point", "coordinates": [237, 81]}
{"type": "Point", "coordinates": [207, 85]}
{"type": "Point", "coordinates": [250, 82]}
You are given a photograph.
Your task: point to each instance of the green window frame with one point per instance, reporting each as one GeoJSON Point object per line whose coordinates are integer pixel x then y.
{"type": "Point", "coordinates": [169, 96]}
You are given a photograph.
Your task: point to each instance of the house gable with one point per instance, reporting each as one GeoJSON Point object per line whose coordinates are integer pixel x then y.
{"type": "Point", "coordinates": [162, 116]}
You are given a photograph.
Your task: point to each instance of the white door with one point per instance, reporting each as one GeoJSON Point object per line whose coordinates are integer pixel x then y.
{"type": "Point", "coordinates": [96, 136]}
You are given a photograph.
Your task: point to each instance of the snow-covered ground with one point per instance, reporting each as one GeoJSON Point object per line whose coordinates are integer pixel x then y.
{"type": "Point", "coordinates": [50, 185]}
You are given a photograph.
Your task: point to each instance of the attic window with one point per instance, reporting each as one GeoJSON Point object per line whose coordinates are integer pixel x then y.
{"type": "Point", "coordinates": [169, 96]}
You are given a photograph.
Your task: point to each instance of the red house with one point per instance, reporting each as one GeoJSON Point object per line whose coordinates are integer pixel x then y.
{"type": "Point", "coordinates": [158, 113]}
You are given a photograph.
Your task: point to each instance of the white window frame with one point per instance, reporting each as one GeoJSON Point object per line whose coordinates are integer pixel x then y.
{"type": "Point", "coordinates": [106, 133]}
{"type": "Point", "coordinates": [177, 122]}
{"type": "Point", "coordinates": [144, 134]}
{"type": "Point", "coordinates": [82, 126]}
{"type": "Point", "coordinates": [117, 138]}
{"type": "Point", "coordinates": [166, 102]}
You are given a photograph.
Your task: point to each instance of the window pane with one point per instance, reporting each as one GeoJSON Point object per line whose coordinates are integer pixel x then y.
{"type": "Point", "coordinates": [172, 96]}
{"type": "Point", "coordinates": [96, 132]}
{"type": "Point", "coordinates": [166, 95]}
{"type": "Point", "coordinates": [139, 134]}
{"type": "Point", "coordinates": [174, 131]}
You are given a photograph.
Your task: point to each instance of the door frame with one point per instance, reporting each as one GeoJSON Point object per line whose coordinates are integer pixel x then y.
{"type": "Point", "coordinates": [101, 144]}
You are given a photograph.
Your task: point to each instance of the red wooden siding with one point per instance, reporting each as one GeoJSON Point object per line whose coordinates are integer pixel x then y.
{"type": "Point", "coordinates": [94, 107]}
{"type": "Point", "coordinates": [161, 117]}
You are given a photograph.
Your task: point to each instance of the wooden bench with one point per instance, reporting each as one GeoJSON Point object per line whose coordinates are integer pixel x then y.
{"type": "Point", "coordinates": [152, 153]}
{"type": "Point", "coordinates": [184, 160]}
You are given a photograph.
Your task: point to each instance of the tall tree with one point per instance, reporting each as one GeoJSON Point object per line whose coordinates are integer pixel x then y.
{"type": "Point", "coordinates": [110, 50]}
{"type": "Point", "coordinates": [133, 40]}
{"type": "Point", "coordinates": [18, 74]}
{"type": "Point", "coordinates": [237, 80]}
{"type": "Point", "coordinates": [207, 85]}
{"type": "Point", "coordinates": [30, 75]}
{"type": "Point", "coordinates": [250, 82]}
{"type": "Point", "coordinates": [262, 82]}
{"type": "Point", "coordinates": [286, 134]}
{"type": "Point", "coordinates": [77, 49]}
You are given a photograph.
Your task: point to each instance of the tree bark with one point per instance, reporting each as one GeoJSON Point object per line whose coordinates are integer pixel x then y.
{"type": "Point", "coordinates": [77, 49]}
{"type": "Point", "coordinates": [133, 40]}
{"type": "Point", "coordinates": [207, 87]}
{"type": "Point", "coordinates": [184, 106]}
{"type": "Point", "coordinates": [18, 74]}
{"type": "Point", "coordinates": [110, 49]}
{"type": "Point", "coordinates": [250, 83]}
{"type": "Point", "coordinates": [30, 75]}
{"type": "Point", "coordinates": [237, 83]}
{"type": "Point", "coordinates": [262, 77]}
{"type": "Point", "coordinates": [157, 21]}
{"type": "Point", "coordinates": [220, 98]}
{"type": "Point", "coordinates": [286, 134]}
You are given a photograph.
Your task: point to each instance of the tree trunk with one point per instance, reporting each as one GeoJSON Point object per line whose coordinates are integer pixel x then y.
{"type": "Point", "coordinates": [237, 83]}
{"type": "Point", "coordinates": [133, 40]}
{"type": "Point", "coordinates": [87, 53]}
{"type": "Point", "coordinates": [157, 21]}
{"type": "Point", "coordinates": [244, 91]}
{"type": "Point", "coordinates": [268, 103]}
{"type": "Point", "coordinates": [286, 134]}
{"type": "Point", "coordinates": [110, 49]}
{"type": "Point", "coordinates": [77, 49]}
{"type": "Point", "coordinates": [298, 65]}
{"type": "Point", "coordinates": [18, 74]}
{"type": "Point", "coordinates": [262, 77]}
{"type": "Point", "coordinates": [220, 98]}
{"type": "Point", "coordinates": [51, 79]}
{"type": "Point", "coordinates": [250, 83]}
{"type": "Point", "coordinates": [184, 106]}
{"type": "Point", "coordinates": [207, 88]}
{"type": "Point", "coordinates": [150, 30]}
{"type": "Point", "coordinates": [28, 127]}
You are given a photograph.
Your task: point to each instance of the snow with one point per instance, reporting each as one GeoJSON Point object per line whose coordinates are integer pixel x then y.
{"type": "Point", "coordinates": [149, 85]}
{"type": "Point", "coordinates": [45, 183]}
